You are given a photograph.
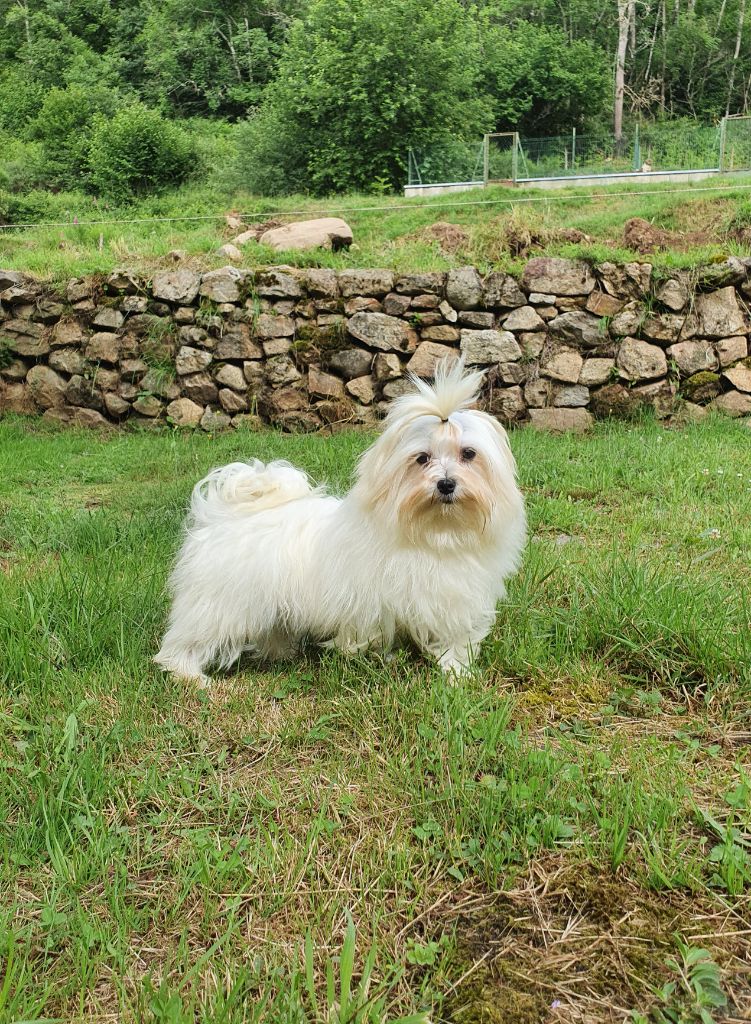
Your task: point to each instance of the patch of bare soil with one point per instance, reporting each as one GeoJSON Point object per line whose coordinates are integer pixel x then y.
{"type": "Point", "coordinates": [644, 237]}
{"type": "Point", "coordinates": [577, 945]}
{"type": "Point", "coordinates": [450, 237]}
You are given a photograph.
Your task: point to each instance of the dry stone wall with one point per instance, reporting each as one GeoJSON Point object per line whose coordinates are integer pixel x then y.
{"type": "Point", "coordinates": [312, 349]}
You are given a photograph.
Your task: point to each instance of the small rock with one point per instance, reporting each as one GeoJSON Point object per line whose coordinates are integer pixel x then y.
{"type": "Point", "coordinates": [46, 387]}
{"type": "Point", "coordinates": [524, 318]}
{"type": "Point", "coordinates": [324, 385]}
{"type": "Point", "coordinates": [191, 360]}
{"type": "Point", "coordinates": [701, 387]}
{"type": "Point", "coordinates": [732, 404]}
{"type": "Point", "coordinates": [103, 348]}
{"type": "Point", "coordinates": [360, 304]}
{"type": "Point", "coordinates": [109, 319]}
{"type": "Point", "coordinates": [67, 360]}
{"type": "Point", "coordinates": [363, 389]}
{"type": "Point", "coordinates": [230, 252]}
{"type": "Point", "coordinates": [82, 392]}
{"type": "Point", "coordinates": [673, 294]}
{"type": "Point", "coordinates": [464, 288]}
{"type": "Point", "coordinates": [480, 348]}
{"type": "Point", "coordinates": [596, 371]}
{"type": "Point", "coordinates": [232, 402]}
{"type": "Point", "coordinates": [321, 283]}
{"type": "Point", "coordinates": [220, 285]}
{"type": "Point", "coordinates": [502, 291]}
{"type": "Point", "coordinates": [564, 366]}
{"type": "Point", "coordinates": [428, 354]}
{"type": "Point", "coordinates": [739, 377]}
{"type": "Point", "coordinates": [382, 332]}
{"type": "Point", "coordinates": [231, 377]}
{"type": "Point", "coordinates": [507, 404]}
{"type": "Point", "coordinates": [570, 396]}
{"type": "Point", "coordinates": [396, 305]}
{"type": "Point", "coordinates": [718, 314]}
{"type": "Point", "coordinates": [212, 421]}
{"type": "Point", "coordinates": [277, 347]}
{"type": "Point", "coordinates": [578, 327]}
{"type": "Point", "coordinates": [279, 283]}
{"type": "Point", "coordinates": [370, 283]}
{"type": "Point", "coordinates": [557, 276]}
{"type": "Point", "coordinates": [180, 286]}
{"type": "Point", "coordinates": [693, 356]}
{"type": "Point", "coordinates": [200, 388]}
{"type": "Point", "coordinates": [267, 326]}
{"type": "Point", "coordinates": [147, 405]}
{"type": "Point", "coordinates": [350, 362]}
{"type": "Point", "coordinates": [417, 284]}
{"type": "Point", "coordinates": [442, 332]}
{"type": "Point", "coordinates": [601, 304]}
{"type": "Point", "coordinates": [730, 350]}
{"type": "Point", "coordinates": [184, 413]}
{"type": "Point", "coordinates": [280, 371]}
{"type": "Point", "coordinates": [386, 366]}
{"type": "Point", "coordinates": [558, 421]}
{"type": "Point", "coordinates": [116, 406]}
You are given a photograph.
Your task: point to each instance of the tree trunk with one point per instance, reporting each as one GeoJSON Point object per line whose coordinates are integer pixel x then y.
{"type": "Point", "coordinates": [625, 9]}
{"type": "Point", "coordinates": [738, 38]}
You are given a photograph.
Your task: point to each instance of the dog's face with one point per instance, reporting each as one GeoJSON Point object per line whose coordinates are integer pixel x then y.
{"type": "Point", "coordinates": [440, 481]}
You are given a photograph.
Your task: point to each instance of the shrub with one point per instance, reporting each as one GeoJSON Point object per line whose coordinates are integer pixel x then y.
{"type": "Point", "coordinates": [63, 126]}
{"type": "Point", "coordinates": [137, 151]}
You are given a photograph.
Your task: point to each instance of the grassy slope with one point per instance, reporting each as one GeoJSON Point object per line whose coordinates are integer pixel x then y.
{"type": "Point", "coordinates": [549, 830]}
{"type": "Point", "coordinates": [386, 233]}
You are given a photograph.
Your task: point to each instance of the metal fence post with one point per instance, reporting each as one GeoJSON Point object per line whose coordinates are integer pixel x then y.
{"type": "Point", "coordinates": [723, 136]}
{"type": "Point", "coordinates": [485, 160]}
{"type": "Point", "coordinates": [515, 158]}
{"type": "Point", "coordinates": [573, 150]}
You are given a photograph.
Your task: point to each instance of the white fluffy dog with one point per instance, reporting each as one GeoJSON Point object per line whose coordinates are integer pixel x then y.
{"type": "Point", "coordinates": [421, 545]}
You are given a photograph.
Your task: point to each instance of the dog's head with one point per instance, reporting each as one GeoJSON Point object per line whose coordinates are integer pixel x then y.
{"type": "Point", "coordinates": [441, 472]}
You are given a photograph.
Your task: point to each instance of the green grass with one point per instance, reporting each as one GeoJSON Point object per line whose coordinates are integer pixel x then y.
{"type": "Point", "coordinates": [352, 840]}
{"type": "Point", "coordinates": [389, 231]}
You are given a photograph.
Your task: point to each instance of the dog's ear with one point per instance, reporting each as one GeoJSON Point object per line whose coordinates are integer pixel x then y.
{"type": "Point", "coordinates": [376, 469]}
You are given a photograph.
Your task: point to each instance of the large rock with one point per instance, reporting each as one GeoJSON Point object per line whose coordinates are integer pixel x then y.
{"type": "Point", "coordinates": [221, 285]}
{"type": "Point", "coordinates": [116, 406]}
{"type": "Point", "coordinates": [363, 389]}
{"type": "Point", "coordinates": [629, 320]}
{"type": "Point", "coordinates": [178, 286]}
{"type": "Point", "coordinates": [323, 233]}
{"type": "Point", "coordinates": [10, 279]}
{"type": "Point", "coordinates": [149, 406]}
{"type": "Point", "coordinates": [280, 371]}
{"type": "Point", "coordinates": [47, 387]}
{"type": "Point", "coordinates": [718, 314]}
{"type": "Point", "coordinates": [428, 355]}
{"type": "Point", "coordinates": [369, 283]}
{"type": "Point", "coordinates": [386, 367]}
{"type": "Point", "coordinates": [73, 416]}
{"type": "Point", "coordinates": [557, 276]}
{"type": "Point", "coordinates": [481, 348]}
{"type": "Point", "coordinates": [66, 333]}
{"type": "Point", "coordinates": [233, 402]}
{"type": "Point", "coordinates": [380, 331]}
{"type": "Point", "coordinates": [693, 356]}
{"type": "Point", "coordinates": [502, 291]}
{"type": "Point", "coordinates": [601, 304]}
{"type": "Point", "coordinates": [16, 369]}
{"type": "Point", "coordinates": [564, 366]}
{"type": "Point", "coordinates": [637, 360]}
{"type": "Point", "coordinates": [576, 421]}
{"type": "Point", "coordinates": [580, 328]}
{"type": "Point", "coordinates": [464, 288]}
{"type": "Point", "coordinates": [16, 398]}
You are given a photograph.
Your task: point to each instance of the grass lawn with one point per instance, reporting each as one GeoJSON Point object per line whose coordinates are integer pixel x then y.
{"type": "Point", "coordinates": [564, 837]}
{"type": "Point", "coordinates": [502, 229]}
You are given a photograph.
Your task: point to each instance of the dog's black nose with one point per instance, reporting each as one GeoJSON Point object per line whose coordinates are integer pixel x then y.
{"type": "Point", "coordinates": [447, 486]}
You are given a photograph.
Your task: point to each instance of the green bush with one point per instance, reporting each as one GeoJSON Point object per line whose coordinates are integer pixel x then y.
{"type": "Point", "coordinates": [63, 126]}
{"type": "Point", "coordinates": [137, 151]}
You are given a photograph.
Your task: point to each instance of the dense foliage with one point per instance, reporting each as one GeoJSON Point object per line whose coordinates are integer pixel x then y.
{"type": "Point", "coordinates": [330, 94]}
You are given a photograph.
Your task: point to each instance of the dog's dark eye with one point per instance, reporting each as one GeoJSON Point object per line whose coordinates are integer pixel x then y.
{"type": "Point", "coordinates": [422, 459]}
{"type": "Point", "coordinates": [468, 454]}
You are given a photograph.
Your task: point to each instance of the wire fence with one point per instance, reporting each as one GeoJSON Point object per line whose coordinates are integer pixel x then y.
{"type": "Point", "coordinates": [659, 148]}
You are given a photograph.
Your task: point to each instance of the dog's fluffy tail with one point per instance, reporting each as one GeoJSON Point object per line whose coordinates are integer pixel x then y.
{"type": "Point", "coordinates": [246, 487]}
